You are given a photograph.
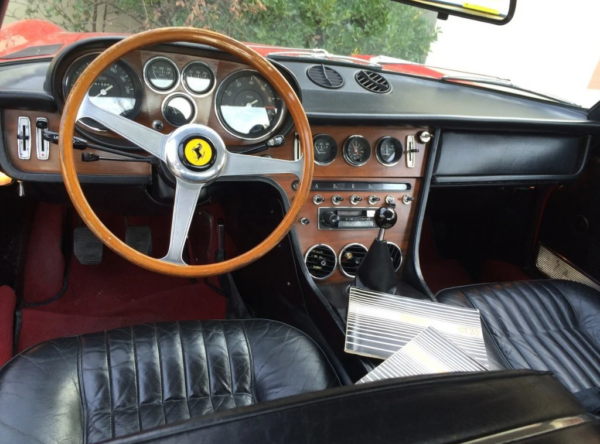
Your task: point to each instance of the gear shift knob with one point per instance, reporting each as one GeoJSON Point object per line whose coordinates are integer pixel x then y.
{"type": "Point", "coordinates": [385, 217]}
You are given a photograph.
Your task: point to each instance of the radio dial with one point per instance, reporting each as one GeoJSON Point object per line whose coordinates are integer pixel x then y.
{"type": "Point", "coordinates": [331, 219]}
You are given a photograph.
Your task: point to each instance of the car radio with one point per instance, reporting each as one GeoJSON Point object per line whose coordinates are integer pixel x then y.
{"type": "Point", "coordinates": [346, 218]}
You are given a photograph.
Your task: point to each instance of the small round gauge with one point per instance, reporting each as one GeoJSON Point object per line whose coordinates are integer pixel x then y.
{"type": "Point", "coordinates": [389, 151]}
{"type": "Point", "coordinates": [161, 74]}
{"type": "Point", "coordinates": [198, 78]}
{"type": "Point", "coordinates": [356, 150]}
{"type": "Point", "coordinates": [326, 149]}
{"type": "Point", "coordinates": [247, 106]}
{"type": "Point", "coordinates": [117, 90]}
{"type": "Point", "coordinates": [179, 109]}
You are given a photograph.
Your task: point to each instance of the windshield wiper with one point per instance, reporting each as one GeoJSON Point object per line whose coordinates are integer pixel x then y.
{"type": "Point", "coordinates": [505, 83]}
{"type": "Point", "coordinates": [322, 54]}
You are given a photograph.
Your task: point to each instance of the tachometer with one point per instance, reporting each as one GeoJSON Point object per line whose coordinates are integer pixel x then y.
{"type": "Point", "coordinates": [247, 106]}
{"type": "Point", "coordinates": [356, 150]}
{"type": "Point", "coordinates": [117, 90]}
{"type": "Point", "coordinates": [326, 149]}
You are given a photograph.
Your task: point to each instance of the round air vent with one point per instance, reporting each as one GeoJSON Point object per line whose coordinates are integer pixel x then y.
{"type": "Point", "coordinates": [351, 257]}
{"type": "Point", "coordinates": [396, 254]}
{"type": "Point", "coordinates": [372, 81]}
{"type": "Point", "coordinates": [325, 77]}
{"type": "Point", "coordinates": [320, 261]}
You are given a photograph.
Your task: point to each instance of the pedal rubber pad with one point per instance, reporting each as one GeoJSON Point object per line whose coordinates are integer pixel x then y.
{"type": "Point", "coordinates": [87, 247]}
{"type": "Point", "coordinates": [140, 239]}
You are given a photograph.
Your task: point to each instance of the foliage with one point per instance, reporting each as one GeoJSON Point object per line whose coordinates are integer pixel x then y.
{"type": "Point", "coordinates": [373, 27]}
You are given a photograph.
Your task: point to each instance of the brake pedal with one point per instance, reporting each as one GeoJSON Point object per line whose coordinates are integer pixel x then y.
{"type": "Point", "coordinates": [140, 239]}
{"type": "Point", "coordinates": [87, 247]}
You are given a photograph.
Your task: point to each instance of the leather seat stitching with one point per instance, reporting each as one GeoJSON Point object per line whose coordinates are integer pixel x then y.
{"type": "Point", "coordinates": [82, 396]}
{"type": "Point", "coordinates": [251, 362]}
{"type": "Point", "coordinates": [110, 394]}
{"type": "Point", "coordinates": [207, 363]}
{"type": "Point", "coordinates": [229, 358]}
{"type": "Point", "coordinates": [136, 376]}
{"type": "Point", "coordinates": [185, 375]}
{"type": "Point", "coordinates": [160, 375]}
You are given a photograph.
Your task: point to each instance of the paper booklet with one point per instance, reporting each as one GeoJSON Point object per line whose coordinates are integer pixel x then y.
{"type": "Point", "coordinates": [429, 352]}
{"type": "Point", "coordinates": [380, 324]}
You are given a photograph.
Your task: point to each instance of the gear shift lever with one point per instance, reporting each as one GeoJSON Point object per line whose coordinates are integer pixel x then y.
{"type": "Point", "coordinates": [376, 271]}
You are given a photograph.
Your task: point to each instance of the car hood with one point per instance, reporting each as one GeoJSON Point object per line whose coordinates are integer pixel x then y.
{"type": "Point", "coordinates": [33, 39]}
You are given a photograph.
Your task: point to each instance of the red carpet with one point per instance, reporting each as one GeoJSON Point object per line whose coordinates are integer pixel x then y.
{"type": "Point", "coordinates": [8, 301]}
{"type": "Point", "coordinates": [114, 294]}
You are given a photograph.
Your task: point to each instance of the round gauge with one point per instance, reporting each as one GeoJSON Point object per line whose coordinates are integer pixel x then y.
{"type": "Point", "coordinates": [117, 90]}
{"type": "Point", "coordinates": [356, 150]}
{"type": "Point", "coordinates": [161, 74]}
{"type": "Point", "coordinates": [198, 78]}
{"type": "Point", "coordinates": [247, 106]}
{"type": "Point", "coordinates": [389, 151]}
{"type": "Point", "coordinates": [326, 149]}
{"type": "Point", "coordinates": [179, 109]}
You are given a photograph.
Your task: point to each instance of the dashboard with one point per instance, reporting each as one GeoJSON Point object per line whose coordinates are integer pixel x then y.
{"type": "Point", "coordinates": [379, 137]}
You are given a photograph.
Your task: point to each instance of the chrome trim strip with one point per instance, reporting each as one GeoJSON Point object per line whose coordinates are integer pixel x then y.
{"type": "Point", "coordinates": [531, 430]}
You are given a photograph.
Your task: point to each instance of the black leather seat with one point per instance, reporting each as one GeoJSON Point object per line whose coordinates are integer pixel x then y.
{"type": "Point", "coordinates": [90, 388]}
{"type": "Point", "coordinates": [541, 325]}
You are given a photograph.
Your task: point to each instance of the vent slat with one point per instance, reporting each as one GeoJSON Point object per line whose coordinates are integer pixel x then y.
{"type": "Point", "coordinates": [372, 81]}
{"type": "Point", "coordinates": [351, 258]}
{"type": "Point", "coordinates": [396, 255]}
{"type": "Point", "coordinates": [325, 77]}
{"type": "Point", "coordinates": [320, 261]}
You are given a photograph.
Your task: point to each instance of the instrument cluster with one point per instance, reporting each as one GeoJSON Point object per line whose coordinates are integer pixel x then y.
{"type": "Point", "coordinates": [357, 150]}
{"type": "Point", "coordinates": [246, 105]}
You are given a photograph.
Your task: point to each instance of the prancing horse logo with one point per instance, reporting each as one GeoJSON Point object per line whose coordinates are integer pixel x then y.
{"type": "Point", "coordinates": [198, 152]}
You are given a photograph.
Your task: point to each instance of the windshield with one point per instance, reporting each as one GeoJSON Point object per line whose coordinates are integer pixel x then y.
{"type": "Point", "coordinates": [545, 48]}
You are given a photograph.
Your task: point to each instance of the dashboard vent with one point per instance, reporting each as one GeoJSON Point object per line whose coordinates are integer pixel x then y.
{"type": "Point", "coordinates": [351, 257]}
{"type": "Point", "coordinates": [325, 77]}
{"type": "Point", "coordinates": [320, 261]}
{"type": "Point", "coordinates": [396, 254]}
{"type": "Point", "coordinates": [372, 81]}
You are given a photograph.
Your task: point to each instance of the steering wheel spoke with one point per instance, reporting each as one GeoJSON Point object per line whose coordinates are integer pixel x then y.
{"type": "Point", "coordinates": [186, 198]}
{"type": "Point", "coordinates": [144, 137]}
{"type": "Point", "coordinates": [245, 165]}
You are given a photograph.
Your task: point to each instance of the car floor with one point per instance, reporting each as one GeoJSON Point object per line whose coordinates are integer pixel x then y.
{"type": "Point", "coordinates": [116, 293]}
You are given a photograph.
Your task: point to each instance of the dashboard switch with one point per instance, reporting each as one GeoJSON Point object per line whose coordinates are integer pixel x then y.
{"type": "Point", "coordinates": [354, 199]}
{"type": "Point", "coordinates": [42, 145]}
{"type": "Point", "coordinates": [373, 199]}
{"type": "Point", "coordinates": [425, 136]}
{"type": "Point", "coordinates": [318, 199]}
{"type": "Point", "coordinates": [24, 138]}
{"type": "Point", "coordinates": [411, 151]}
{"type": "Point", "coordinates": [337, 199]}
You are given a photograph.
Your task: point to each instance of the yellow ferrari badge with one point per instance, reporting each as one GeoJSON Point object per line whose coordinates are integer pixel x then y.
{"type": "Point", "coordinates": [198, 152]}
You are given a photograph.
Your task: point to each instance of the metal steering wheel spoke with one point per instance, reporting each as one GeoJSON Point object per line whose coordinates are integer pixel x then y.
{"type": "Point", "coordinates": [244, 165]}
{"type": "Point", "coordinates": [144, 137]}
{"type": "Point", "coordinates": [186, 198]}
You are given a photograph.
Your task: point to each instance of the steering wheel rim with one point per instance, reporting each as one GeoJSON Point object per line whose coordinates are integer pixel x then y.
{"type": "Point", "coordinates": [77, 103]}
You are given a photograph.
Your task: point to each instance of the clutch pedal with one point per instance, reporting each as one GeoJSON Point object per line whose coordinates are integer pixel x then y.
{"type": "Point", "coordinates": [140, 239]}
{"type": "Point", "coordinates": [87, 247]}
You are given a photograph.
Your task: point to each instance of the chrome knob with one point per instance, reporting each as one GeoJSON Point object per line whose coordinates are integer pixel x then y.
{"type": "Point", "coordinates": [373, 199]}
{"type": "Point", "coordinates": [425, 137]}
{"type": "Point", "coordinates": [337, 199]}
{"type": "Point", "coordinates": [318, 199]}
{"type": "Point", "coordinates": [354, 199]}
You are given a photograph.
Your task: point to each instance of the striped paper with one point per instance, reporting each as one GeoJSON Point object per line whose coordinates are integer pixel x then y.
{"type": "Point", "coordinates": [429, 352]}
{"type": "Point", "coordinates": [379, 324]}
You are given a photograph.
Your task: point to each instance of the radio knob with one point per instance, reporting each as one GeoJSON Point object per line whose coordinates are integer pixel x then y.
{"type": "Point", "coordinates": [331, 219]}
{"type": "Point", "coordinates": [354, 199]}
{"type": "Point", "coordinates": [337, 199]}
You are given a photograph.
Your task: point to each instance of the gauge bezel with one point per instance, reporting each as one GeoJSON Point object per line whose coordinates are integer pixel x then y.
{"type": "Point", "coordinates": [213, 79]}
{"type": "Point", "coordinates": [149, 83]}
{"type": "Point", "coordinates": [187, 96]}
{"type": "Point", "coordinates": [231, 131]}
{"type": "Point", "coordinates": [337, 149]}
{"type": "Point", "coordinates": [335, 266]}
{"type": "Point", "coordinates": [378, 145]}
{"type": "Point", "coordinates": [353, 244]}
{"type": "Point", "coordinates": [347, 141]}
{"type": "Point", "coordinates": [135, 79]}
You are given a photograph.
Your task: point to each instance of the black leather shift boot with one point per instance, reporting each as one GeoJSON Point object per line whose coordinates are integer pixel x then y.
{"type": "Point", "coordinates": [376, 271]}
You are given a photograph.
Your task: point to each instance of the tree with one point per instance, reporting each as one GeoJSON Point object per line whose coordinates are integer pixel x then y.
{"type": "Point", "coordinates": [339, 26]}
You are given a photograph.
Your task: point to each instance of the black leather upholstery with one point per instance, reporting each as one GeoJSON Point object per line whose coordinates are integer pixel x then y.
{"type": "Point", "coordinates": [91, 388]}
{"type": "Point", "coordinates": [541, 325]}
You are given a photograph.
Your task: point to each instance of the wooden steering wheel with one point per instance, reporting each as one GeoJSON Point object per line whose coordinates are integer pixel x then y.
{"type": "Point", "coordinates": [171, 150]}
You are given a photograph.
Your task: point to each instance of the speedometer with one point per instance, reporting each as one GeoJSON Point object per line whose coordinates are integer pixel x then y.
{"type": "Point", "coordinates": [117, 90]}
{"type": "Point", "coordinates": [247, 106]}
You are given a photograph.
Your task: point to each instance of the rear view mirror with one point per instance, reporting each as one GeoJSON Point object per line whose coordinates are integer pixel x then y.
{"type": "Point", "coordinates": [498, 12]}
